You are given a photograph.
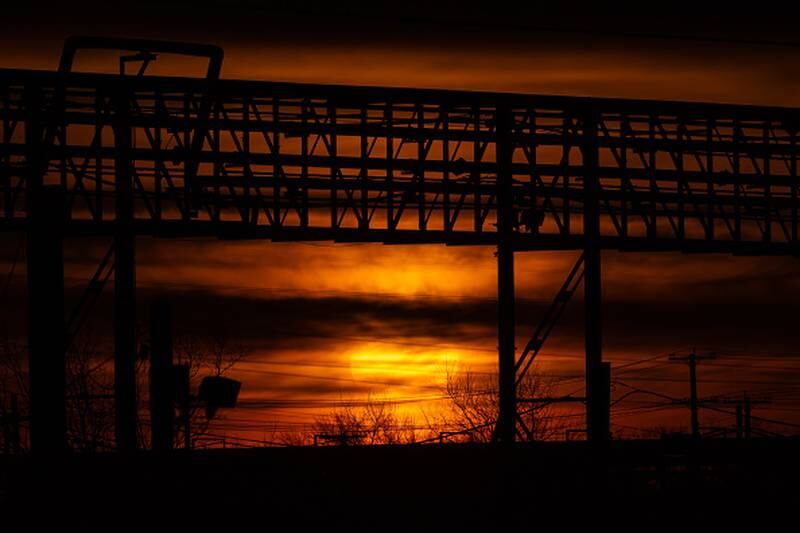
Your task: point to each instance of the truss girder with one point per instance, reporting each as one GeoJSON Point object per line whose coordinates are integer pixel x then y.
{"type": "Point", "coordinates": [259, 159]}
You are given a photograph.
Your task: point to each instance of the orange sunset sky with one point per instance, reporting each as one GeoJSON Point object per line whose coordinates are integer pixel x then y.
{"type": "Point", "coordinates": [325, 323]}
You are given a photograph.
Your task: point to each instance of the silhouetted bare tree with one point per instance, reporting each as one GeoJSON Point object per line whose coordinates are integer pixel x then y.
{"type": "Point", "coordinates": [13, 394]}
{"type": "Point", "coordinates": [216, 352]}
{"type": "Point", "coordinates": [90, 379]}
{"type": "Point", "coordinates": [89, 387]}
{"type": "Point", "coordinates": [366, 423]}
{"type": "Point", "coordinates": [472, 406]}
{"type": "Point", "coordinates": [90, 408]}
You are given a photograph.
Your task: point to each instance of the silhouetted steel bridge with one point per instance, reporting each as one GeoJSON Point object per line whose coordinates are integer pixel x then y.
{"type": "Point", "coordinates": [123, 155]}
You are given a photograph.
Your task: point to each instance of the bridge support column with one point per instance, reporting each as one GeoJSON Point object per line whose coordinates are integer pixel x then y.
{"type": "Point", "coordinates": [124, 284]}
{"type": "Point", "coordinates": [597, 374]}
{"type": "Point", "coordinates": [47, 340]}
{"type": "Point", "coordinates": [46, 326]}
{"type": "Point", "coordinates": [506, 422]}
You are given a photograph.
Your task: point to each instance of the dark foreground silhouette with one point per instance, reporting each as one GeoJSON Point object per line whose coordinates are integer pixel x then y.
{"type": "Point", "coordinates": [407, 488]}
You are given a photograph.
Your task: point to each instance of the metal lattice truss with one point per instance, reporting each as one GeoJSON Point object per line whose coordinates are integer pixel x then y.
{"type": "Point", "coordinates": [289, 162]}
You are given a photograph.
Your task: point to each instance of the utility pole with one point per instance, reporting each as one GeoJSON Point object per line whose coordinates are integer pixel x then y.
{"type": "Point", "coordinates": [746, 405]}
{"type": "Point", "coordinates": [691, 360]}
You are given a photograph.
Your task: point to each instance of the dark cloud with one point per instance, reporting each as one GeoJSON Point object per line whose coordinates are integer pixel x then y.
{"type": "Point", "coordinates": [306, 324]}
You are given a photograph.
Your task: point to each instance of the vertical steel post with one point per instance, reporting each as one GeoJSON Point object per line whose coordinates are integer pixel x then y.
{"type": "Point", "coordinates": [45, 271]}
{"type": "Point", "coordinates": [124, 281]}
{"type": "Point", "coordinates": [597, 406]}
{"type": "Point", "coordinates": [506, 423]}
{"type": "Point", "coordinates": [46, 327]}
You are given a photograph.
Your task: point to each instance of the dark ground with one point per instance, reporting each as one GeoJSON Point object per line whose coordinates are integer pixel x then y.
{"type": "Point", "coordinates": [638, 484]}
